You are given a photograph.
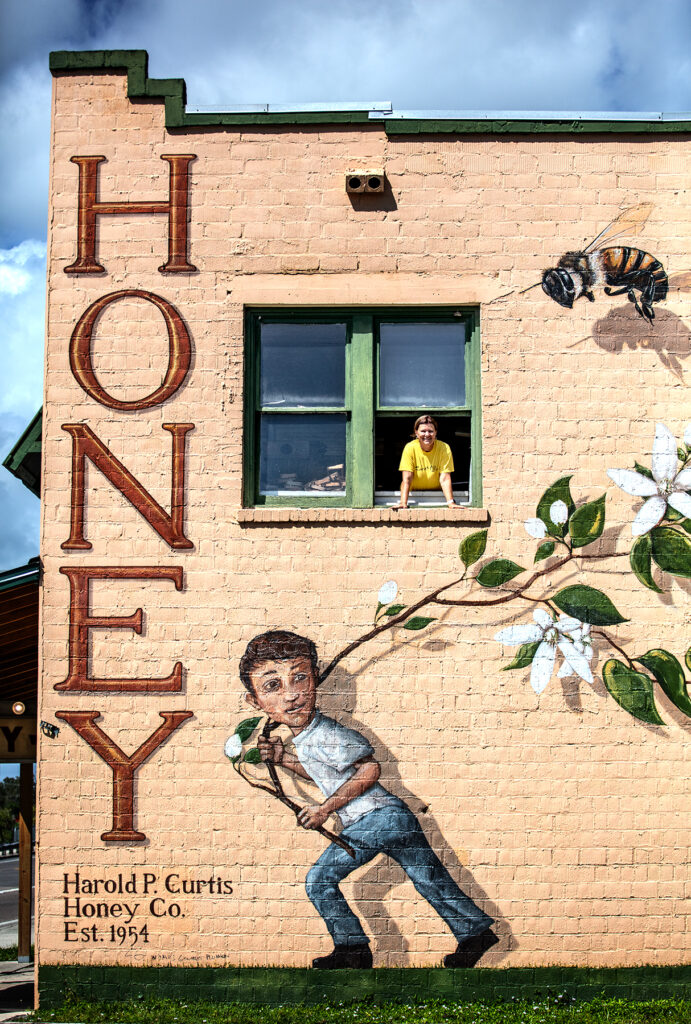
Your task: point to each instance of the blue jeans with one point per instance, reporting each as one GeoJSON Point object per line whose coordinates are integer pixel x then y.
{"type": "Point", "coordinates": [395, 831]}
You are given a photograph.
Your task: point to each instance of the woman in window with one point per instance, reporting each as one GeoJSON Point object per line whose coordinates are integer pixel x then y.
{"type": "Point", "coordinates": [426, 463]}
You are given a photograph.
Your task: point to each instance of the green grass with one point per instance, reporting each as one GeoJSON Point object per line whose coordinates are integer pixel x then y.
{"type": "Point", "coordinates": [12, 952]}
{"type": "Point", "coordinates": [554, 1009]}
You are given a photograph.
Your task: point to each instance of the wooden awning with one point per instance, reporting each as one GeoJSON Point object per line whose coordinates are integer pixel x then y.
{"type": "Point", "coordinates": [19, 634]}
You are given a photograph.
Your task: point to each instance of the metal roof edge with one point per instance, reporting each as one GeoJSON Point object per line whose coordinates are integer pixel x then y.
{"type": "Point", "coordinates": [172, 91]}
{"type": "Point", "coordinates": [29, 442]}
{"type": "Point", "coordinates": [29, 573]}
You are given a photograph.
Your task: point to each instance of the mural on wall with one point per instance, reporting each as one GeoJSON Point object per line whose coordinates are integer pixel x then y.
{"type": "Point", "coordinates": [279, 671]}
{"type": "Point", "coordinates": [618, 270]}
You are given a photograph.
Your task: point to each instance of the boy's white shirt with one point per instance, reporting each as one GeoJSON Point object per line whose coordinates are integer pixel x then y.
{"type": "Point", "coordinates": [329, 752]}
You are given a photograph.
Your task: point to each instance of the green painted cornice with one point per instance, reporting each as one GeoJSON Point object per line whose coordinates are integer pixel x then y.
{"type": "Point", "coordinates": [172, 92]}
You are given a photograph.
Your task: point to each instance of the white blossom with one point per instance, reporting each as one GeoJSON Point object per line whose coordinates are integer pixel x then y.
{"type": "Point", "coordinates": [559, 512]}
{"type": "Point", "coordinates": [387, 592]}
{"type": "Point", "coordinates": [536, 528]}
{"type": "Point", "coordinates": [568, 634]}
{"type": "Point", "coordinates": [233, 747]}
{"type": "Point", "coordinates": [668, 487]}
{"type": "Point", "coordinates": [583, 643]}
{"type": "Point", "coordinates": [687, 436]}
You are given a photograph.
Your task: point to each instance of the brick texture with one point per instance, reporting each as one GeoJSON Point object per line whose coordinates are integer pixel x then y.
{"type": "Point", "coordinates": [562, 816]}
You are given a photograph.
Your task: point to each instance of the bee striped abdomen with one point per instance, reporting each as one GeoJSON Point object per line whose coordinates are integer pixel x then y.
{"type": "Point", "coordinates": [625, 266]}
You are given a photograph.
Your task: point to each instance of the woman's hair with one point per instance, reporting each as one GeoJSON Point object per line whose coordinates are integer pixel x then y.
{"type": "Point", "coordinates": [426, 418]}
{"type": "Point", "coordinates": [276, 645]}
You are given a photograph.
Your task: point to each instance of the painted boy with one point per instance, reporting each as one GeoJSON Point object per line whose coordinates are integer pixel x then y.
{"type": "Point", "coordinates": [279, 671]}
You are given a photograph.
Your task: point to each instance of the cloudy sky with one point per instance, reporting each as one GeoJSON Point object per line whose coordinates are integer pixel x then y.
{"type": "Point", "coordinates": [420, 54]}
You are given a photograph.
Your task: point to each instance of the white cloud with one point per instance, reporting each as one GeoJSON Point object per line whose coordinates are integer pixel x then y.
{"type": "Point", "coordinates": [22, 314]}
{"type": "Point", "coordinates": [22, 299]}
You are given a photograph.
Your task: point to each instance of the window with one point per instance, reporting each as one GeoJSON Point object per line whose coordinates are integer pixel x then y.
{"type": "Point", "coordinates": [331, 399]}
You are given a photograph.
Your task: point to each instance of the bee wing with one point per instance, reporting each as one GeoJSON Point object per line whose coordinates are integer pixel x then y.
{"type": "Point", "coordinates": [629, 222]}
{"type": "Point", "coordinates": [681, 281]}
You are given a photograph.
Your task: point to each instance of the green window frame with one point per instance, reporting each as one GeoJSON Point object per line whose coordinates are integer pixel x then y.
{"type": "Point", "coordinates": [361, 404]}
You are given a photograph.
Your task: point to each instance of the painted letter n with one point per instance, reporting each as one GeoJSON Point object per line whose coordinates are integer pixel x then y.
{"type": "Point", "coordinates": [90, 207]}
{"type": "Point", "coordinates": [86, 445]}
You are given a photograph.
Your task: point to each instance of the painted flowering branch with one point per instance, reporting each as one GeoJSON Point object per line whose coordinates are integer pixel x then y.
{"type": "Point", "coordinates": [565, 623]}
{"type": "Point", "coordinates": [661, 529]}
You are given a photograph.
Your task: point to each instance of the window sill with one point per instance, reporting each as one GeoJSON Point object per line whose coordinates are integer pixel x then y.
{"type": "Point", "coordinates": [463, 516]}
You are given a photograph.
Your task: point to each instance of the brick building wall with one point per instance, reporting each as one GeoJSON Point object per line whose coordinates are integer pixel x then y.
{"type": "Point", "coordinates": [561, 815]}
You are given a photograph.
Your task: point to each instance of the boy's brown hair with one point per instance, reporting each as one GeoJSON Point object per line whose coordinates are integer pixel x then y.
{"type": "Point", "coordinates": [276, 645]}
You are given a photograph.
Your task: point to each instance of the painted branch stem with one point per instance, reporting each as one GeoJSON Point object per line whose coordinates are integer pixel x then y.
{"type": "Point", "coordinates": [434, 598]}
{"type": "Point", "coordinates": [620, 650]}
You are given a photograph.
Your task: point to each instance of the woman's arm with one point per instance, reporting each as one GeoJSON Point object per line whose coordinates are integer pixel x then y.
{"type": "Point", "coordinates": [447, 487]}
{"type": "Point", "coordinates": [406, 480]}
{"type": "Point", "coordinates": [365, 776]}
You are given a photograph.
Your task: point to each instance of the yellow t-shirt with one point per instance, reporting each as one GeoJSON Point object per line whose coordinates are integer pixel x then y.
{"type": "Point", "coordinates": [426, 466]}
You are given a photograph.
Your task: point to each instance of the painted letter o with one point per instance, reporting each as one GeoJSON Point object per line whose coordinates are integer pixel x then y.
{"type": "Point", "coordinates": [179, 351]}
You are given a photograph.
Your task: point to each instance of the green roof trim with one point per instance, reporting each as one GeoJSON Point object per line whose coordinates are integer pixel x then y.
{"type": "Point", "coordinates": [29, 573]}
{"type": "Point", "coordinates": [24, 460]}
{"type": "Point", "coordinates": [539, 126]}
{"type": "Point", "coordinates": [172, 91]}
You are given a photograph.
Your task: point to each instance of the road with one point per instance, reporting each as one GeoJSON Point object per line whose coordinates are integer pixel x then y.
{"type": "Point", "coordinates": [9, 894]}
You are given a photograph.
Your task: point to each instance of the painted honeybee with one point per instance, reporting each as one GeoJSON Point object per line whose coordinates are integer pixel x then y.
{"type": "Point", "coordinates": [618, 270]}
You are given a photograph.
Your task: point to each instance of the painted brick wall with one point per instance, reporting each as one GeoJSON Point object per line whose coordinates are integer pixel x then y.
{"type": "Point", "coordinates": [562, 816]}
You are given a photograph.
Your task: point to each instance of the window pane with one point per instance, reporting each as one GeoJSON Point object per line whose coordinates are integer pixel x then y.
{"type": "Point", "coordinates": [302, 364]}
{"type": "Point", "coordinates": [302, 455]}
{"type": "Point", "coordinates": [422, 365]}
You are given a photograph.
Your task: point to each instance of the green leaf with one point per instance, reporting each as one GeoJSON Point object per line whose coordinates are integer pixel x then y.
{"type": "Point", "coordinates": [672, 551]}
{"type": "Point", "coordinates": [544, 551]}
{"type": "Point", "coordinates": [526, 653]}
{"type": "Point", "coordinates": [473, 547]}
{"type": "Point", "coordinates": [245, 729]}
{"type": "Point", "coordinates": [673, 515]}
{"type": "Point", "coordinates": [559, 491]}
{"type": "Point", "coordinates": [681, 454]}
{"type": "Point", "coordinates": [643, 470]}
{"type": "Point", "coordinates": [632, 690]}
{"type": "Point", "coordinates": [686, 525]}
{"type": "Point", "coordinates": [687, 659]}
{"type": "Point", "coordinates": [395, 609]}
{"type": "Point", "coordinates": [588, 605]}
{"type": "Point", "coordinates": [640, 562]}
{"type": "Point", "coordinates": [252, 756]}
{"type": "Point", "coordinates": [498, 571]}
{"type": "Point", "coordinates": [587, 522]}
{"type": "Point", "coordinates": [418, 622]}
{"type": "Point", "coordinates": [670, 675]}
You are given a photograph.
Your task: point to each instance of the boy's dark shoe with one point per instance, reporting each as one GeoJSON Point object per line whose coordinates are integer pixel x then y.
{"type": "Point", "coordinates": [345, 956]}
{"type": "Point", "coordinates": [473, 949]}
